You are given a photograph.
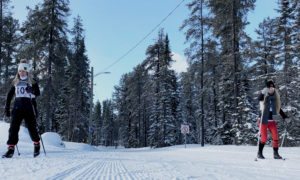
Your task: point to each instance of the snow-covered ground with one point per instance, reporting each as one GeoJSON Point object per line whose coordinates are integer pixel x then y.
{"type": "Point", "coordinates": [65, 160]}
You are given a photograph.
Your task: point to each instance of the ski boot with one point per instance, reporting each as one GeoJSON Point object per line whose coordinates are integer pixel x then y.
{"type": "Point", "coordinates": [36, 149]}
{"type": "Point", "coordinates": [276, 154]}
{"type": "Point", "coordinates": [260, 150]}
{"type": "Point", "coordinates": [10, 152]}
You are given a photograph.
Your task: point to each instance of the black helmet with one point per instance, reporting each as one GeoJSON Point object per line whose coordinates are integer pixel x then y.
{"type": "Point", "coordinates": [270, 83]}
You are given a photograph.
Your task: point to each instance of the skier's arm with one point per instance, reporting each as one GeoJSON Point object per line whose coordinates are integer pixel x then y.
{"type": "Point", "coordinates": [36, 89]}
{"type": "Point", "coordinates": [9, 97]}
{"type": "Point", "coordinates": [261, 97]}
{"type": "Point", "coordinates": [283, 115]}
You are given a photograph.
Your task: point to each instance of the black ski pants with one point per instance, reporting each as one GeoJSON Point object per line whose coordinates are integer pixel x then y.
{"type": "Point", "coordinates": [16, 119]}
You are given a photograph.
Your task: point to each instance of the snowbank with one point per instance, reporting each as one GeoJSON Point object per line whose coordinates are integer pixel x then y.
{"type": "Point", "coordinates": [52, 139]}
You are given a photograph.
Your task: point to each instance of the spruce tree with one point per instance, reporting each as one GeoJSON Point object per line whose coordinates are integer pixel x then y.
{"type": "Point", "coordinates": [78, 79]}
{"type": "Point", "coordinates": [53, 29]}
{"type": "Point", "coordinates": [9, 51]}
{"type": "Point", "coordinates": [228, 24]}
{"type": "Point", "coordinates": [108, 127]}
{"type": "Point", "coordinates": [121, 101]}
{"type": "Point", "coordinates": [162, 129]}
{"type": "Point", "coordinates": [97, 118]}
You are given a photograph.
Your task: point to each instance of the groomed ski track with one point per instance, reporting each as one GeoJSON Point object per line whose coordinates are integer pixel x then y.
{"type": "Point", "coordinates": [194, 162]}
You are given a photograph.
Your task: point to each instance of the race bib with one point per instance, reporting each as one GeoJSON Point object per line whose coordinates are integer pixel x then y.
{"type": "Point", "coordinates": [20, 90]}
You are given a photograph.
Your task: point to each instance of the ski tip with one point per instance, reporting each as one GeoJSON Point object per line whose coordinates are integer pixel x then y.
{"type": "Point", "coordinates": [255, 159]}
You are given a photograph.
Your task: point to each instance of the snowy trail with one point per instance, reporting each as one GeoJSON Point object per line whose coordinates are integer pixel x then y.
{"type": "Point", "coordinates": [212, 162]}
{"type": "Point", "coordinates": [81, 161]}
{"type": "Point", "coordinates": [195, 162]}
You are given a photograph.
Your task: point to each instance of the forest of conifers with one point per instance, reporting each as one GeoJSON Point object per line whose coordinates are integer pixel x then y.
{"type": "Point", "coordinates": [216, 97]}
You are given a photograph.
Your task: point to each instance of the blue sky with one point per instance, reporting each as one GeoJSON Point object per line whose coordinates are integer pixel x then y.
{"type": "Point", "coordinates": [112, 27]}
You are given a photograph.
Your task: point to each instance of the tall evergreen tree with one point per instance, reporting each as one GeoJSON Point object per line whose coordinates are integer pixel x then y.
{"type": "Point", "coordinates": [9, 51]}
{"type": "Point", "coordinates": [288, 64]}
{"type": "Point", "coordinates": [188, 104]}
{"type": "Point", "coordinates": [121, 101]}
{"type": "Point", "coordinates": [53, 30]}
{"type": "Point", "coordinates": [3, 8]}
{"type": "Point", "coordinates": [228, 23]}
{"type": "Point", "coordinates": [77, 82]}
{"type": "Point", "coordinates": [162, 130]}
{"type": "Point", "coordinates": [285, 48]}
{"type": "Point", "coordinates": [108, 127]}
{"type": "Point", "coordinates": [197, 23]}
{"type": "Point", "coordinates": [265, 49]}
{"type": "Point", "coordinates": [97, 118]}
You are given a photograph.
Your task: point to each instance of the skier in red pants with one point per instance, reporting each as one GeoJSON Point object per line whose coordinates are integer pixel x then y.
{"type": "Point", "coordinates": [270, 108]}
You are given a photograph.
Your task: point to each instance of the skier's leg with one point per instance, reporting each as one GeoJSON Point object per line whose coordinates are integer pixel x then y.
{"type": "Point", "coordinates": [13, 136]}
{"type": "Point", "coordinates": [264, 137]}
{"type": "Point", "coordinates": [32, 126]}
{"type": "Point", "coordinates": [15, 124]}
{"type": "Point", "coordinates": [274, 133]}
{"type": "Point", "coordinates": [264, 133]}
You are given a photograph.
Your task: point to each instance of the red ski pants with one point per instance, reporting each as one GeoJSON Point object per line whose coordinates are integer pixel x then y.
{"type": "Point", "coordinates": [264, 132]}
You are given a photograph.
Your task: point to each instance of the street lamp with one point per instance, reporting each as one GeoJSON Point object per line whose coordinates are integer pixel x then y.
{"type": "Point", "coordinates": [91, 102]}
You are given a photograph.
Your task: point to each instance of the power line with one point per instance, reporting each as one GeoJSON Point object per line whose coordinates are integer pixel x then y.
{"type": "Point", "coordinates": [138, 43]}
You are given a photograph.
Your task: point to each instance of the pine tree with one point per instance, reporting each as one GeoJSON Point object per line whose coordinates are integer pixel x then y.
{"type": "Point", "coordinates": [197, 23]}
{"type": "Point", "coordinates": [52, 14]}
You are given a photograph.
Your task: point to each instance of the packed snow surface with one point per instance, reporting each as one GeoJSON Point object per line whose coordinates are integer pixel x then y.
{"type": "Point", "coordinates": [65, 160]}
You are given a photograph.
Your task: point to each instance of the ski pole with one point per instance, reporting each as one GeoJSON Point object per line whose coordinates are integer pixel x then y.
{"type": "Point", "coordinates": [18, 150]}
{"type": "Point", "coordinates": [42, 144]}
{"type": "Point", "coordinates": [258, 138]}
{"type": "Point", "coordinates": [33, 109]}
{"type": "Point", "coordinates": [284, 134]}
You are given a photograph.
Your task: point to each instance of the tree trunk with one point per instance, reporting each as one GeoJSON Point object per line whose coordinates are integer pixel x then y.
{"type": "Point", "coordinates": [202, 72]}
{"type": "Point", "coordinates": [215, 97]}
{"type": "Point", "coordinates": [49, 83]}
{"type": "Point", "coordinates": [1, 32]}
{"type": "Point", "coordinates": [235, 57]}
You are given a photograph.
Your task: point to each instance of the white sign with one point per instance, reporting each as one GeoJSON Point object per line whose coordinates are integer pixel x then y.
{"type": "Point", "coordinates": [185, 129]}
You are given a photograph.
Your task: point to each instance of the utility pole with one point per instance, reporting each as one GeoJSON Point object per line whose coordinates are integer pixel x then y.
{"type": "Point", "coordinates": [91, 106]}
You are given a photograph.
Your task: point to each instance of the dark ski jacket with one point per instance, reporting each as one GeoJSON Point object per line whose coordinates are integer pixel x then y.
{"type": "Point", "coordinates": [270, 102]}
{"type": "Point", "coordinates": [23, 99]}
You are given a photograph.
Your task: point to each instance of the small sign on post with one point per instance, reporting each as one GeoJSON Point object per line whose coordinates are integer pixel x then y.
{"type": "Point", "coordinates": [185, 129]}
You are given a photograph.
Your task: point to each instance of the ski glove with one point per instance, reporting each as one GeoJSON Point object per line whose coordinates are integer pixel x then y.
{"type": "Point", "coordinates": [7, 112]}
{"type": "Point", "coordinates": [29, 89]}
